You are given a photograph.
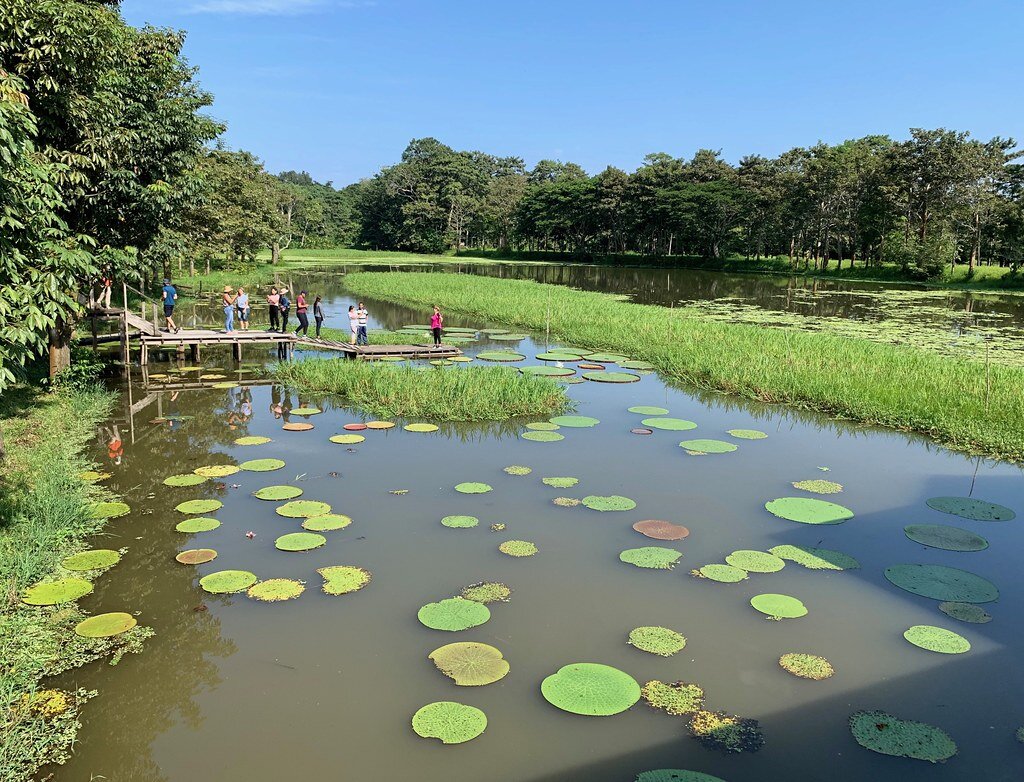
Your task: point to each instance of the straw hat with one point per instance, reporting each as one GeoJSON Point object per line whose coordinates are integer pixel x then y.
{"type": "Point", "coordinates": [284, 290]}
{"type": "Point", "coordinates": [228, 289]}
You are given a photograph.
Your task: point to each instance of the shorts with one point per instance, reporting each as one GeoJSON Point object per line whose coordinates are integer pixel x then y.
{"type": "Point", "coordinates": [168, 311]}
{"type": "Point", "coordinates": [243, 315]}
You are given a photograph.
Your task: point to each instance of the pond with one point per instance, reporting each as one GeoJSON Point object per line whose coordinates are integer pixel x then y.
{"type": "Point", "coordinates": [326, 686]}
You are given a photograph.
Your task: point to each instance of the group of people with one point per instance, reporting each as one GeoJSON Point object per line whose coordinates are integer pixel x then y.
{"type": "Point", "coordinates": [279, 306]}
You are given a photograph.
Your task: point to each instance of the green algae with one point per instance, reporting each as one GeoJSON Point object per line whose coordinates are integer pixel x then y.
{"type": "Point", "coordinates": [612, 502]}
{"type": "Point", "coordinates": [888, 735]}
{"type": "Point", "coordinates": [105, 625]}
{"type": "Point", "coordinates": [487, 592]}
{"type": "Point", "coordinates": [657, 640]}
{"type": "Point", "coordinates": [652, 557]}
{"type": "Point", "coordinates": [755, 561]}
{"type": "Point", "coordinates": [776, 606]}
{"type": "Point", "coordinates": [945, 537]}
{"type": "Point", "coordinates": [518, 548]}
{"type": "Point", "coordinates": [590, 689]}
{"type": "Point", "coordinates": [276, 590]}
{"type": "Point", "coordinates": [677, 698]}
{"type": "Point", "coordinates": [450, 722]}
{"type": "Point", "coordinates": [806, 666]}
{"type": "Point", "coordinates": [277, 493]}
{"type": "Point", "coordinates": [299, 541]}
{"type": "Point", "coordinates": [940, 582]}
{"type": "Point", "coordinates": [805, 510]}
{"type": "Point", "coordinates": [460, 522]}
{"type": "Point", "coordinates": [815, 558]}
{"type": "Point", "coordinates": [195, 507]}
{"type": "Point", "coordinates": [453, 614]}
{"type": "Point", "coordinates": [344, 579]}
{"type": "Point", "coordinates": [937, 639]}
{"type": "Point", "coordinates": [227, 581]}
{"type": "Point", "coordinates": [470, 664]}
{"type": "Point", "coordinates": [725, 732]}
{"type": "Point", "coordinates": [95, 559]}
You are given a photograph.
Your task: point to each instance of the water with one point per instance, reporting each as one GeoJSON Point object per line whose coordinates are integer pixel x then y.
{"type": "Point", "coordinates": [324, 687]}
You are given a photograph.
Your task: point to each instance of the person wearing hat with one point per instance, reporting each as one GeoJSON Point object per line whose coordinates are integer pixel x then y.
{"type": "Point", "coordinates": [284, 306]}
{"type": "Point", "coordinates": [228, 300]}
{"type": "Point", "coordinates": [169, 295]}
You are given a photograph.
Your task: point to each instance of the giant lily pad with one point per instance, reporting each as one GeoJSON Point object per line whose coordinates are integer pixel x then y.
{"type": "Point", "coordinates": [968, 508]}
{"type": "Point", "coordinates": [945, 537]}
{"type": "Point", "coordinates": [543, 437]}
{"type": "Point", "coordinates": [638, 366]}
{"type": "Point", "coordinates": [327, 522]}
{"type": "Point", "coordinates": [611, 377]}
{"type": "Point", "coordinates": [470, 664]}
{"type": "Point", "coordinates": [653, 557]}
{"type": "Point", "coordinates": [507, 337]}
{"type": "Point", "coordinates": [518, 469]}
{"type": "Point", "coordinates": [472, 488]}
{"type": "Point", "coordinates": [96, 559]}
{"type": "Point", "coordinates": [661, 530]}
{"type": "Point", "coordinates": [355, 427]}
{"type": "Point", "coordinates": [227, 581]}
{"type": "Point", "coordinates": [806, 510]}
{"type": "Point", "coordinates": [590, 689]}
{"type": "Point", "coordinates": [669, 424]}
{"type": "Point", "coordinates": [500, 356]}
{"type": "Point", "coordinates": [560, 482]}
{"type": "Point", "coordinates": [109, 510]}
{"type": "Point", "coordinates": [815, 558]}
{"type": "Point", "coordinates": [940, 582]}
{"type": "Point", "coordinates": [889, 735]}
{"type": "Point", "coordinates": [297, 426]}
{"type": "Point", "coordinates": [605, 358]}
{"type": "Point", "coordinates": [556, 356]}
{"type": "Point", "coordinates": [105, 625]}
{"type": "Point", "coordinates": [657, 640]}
{"type": "Point", "coordinates": [306, 411]}
{"type": "Point", "coordinates": [724, 574]}
{"type": "Point", "coordinates": [188, 479]}
{"type": "Point", "coordinates": [262, 465]}
{"type": "Point", "coordinates": [453, 614]}
{"type": "Point", "coordinates": [277, 493]}
{"type": "Point", "coordinates": [548, 371]}
{"type": "Point", "coordinates": [746, 434]}
{"type": "Point", "coordinates": [460, 522]}
{"type": "Point", "coordinates": [677, 699]}
{"type": "Point", "coordinates": [216, 470]}
{"type": "Point", "coordinates": [197, 524]}
{"type": "Point", "coordinates": [346, 439]}
{"type": "Point", "coordinates": [51, 593]}
{"type": "Point", "coordinates": [817, 486]}
{"type": "Point", "coordinates": [343, 579]}
{"type": "Point", "coordinates": [966, 612]}
{"type": "Point", "coordinates": [937, 639]}
{"type": "Point", "coordinates": [676, 775]}
{"type": "Point", "coordinates": [299, 541]}
{"type": "Point", "coordinates": [707, 446]}
{"type": "Point", "coordinates": [487, 592]}
{"type": "Point", "coordinates": [726, 732]}
{"type": "Point", "coordinates": [755, 561]}
{"type": "Point", "coordinates": [806, 666]}
{"type": "Point", "coordinates": [518, 548]}
{"type": "Point", "coordinates": [420, 427]}
{"type": "Point", "coordinates": [93, 476]}
{"type": "Point", "coordinates": [613, 502]}
{"type": "Point", "coordinates": [274, 590]}
{"type": "Point", "coordinates": [452, 723]}
{"type": "Point", "coordinates": [303, 509]}
{"type": "Point", "coordinates": [380, 424]}
{"type": "Point", "coordinates": [778, 606]}
{"type": "Point", "coordinates": [648, 410]}
{"type": "Point", "coordinates": [196, 556]}
{"type": "Point", "coordinates": [542, 426]}
{"type": "Point", "coordinates": [575, 421]}
{"type": "Point", "coordinates": [252, 440]}
{"type": "Point", "coordinates": [195, 507]}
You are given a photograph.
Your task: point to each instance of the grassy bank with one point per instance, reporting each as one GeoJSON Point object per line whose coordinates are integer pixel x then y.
{"type": "Point", "coordinates": [465, 394]}
{"type": "Point", "coordinates": [962, 404]}
{"type": "Point", "coordinates": [44, 516]}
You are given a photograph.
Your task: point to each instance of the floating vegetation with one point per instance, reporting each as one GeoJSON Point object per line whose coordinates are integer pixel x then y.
{"type": "Point", "coordinates": [669, 424]}
{"type": "Point", "coordinates": [380, 424]}
{"type": "Point", "coordinates": [51, 593]}
{"type": "Point", "coordinates": [344, 579]}
{"type": "Point", "coordinates": [940, 582]}
{"type": "Point", "coordinates": [196, 556]}
{"type": "Point", "coordinates": [93, 476]}
{"type": "Point", "coordinates": [613, 502]}
{"type": "Point", "coordinates": [808, 511]}
{"type": "Point", "coordinates": [105, 625]}
{"type": "Point", "coordinates": [566, 502]}
{"type": "Point", "coordinates": [299, 541]}
{"type": "Point", "coordinates": [518, 469]}
{"type": "Point", "coordinates": [548, 371]}
{"type": "Point", "coordinates": [487, 592]}
{"type": "Point", "coordinates": [888, 735]}
{"type": "Point", "coordinates": [815, 558]}
{"type": "Point", "coordinates": [508, 337]}
{"type": "Point", "coordinates": [818, 486]}
{"type": "Point", "coordinates": [778, 606]}
{"type": "Point", "coordinates": [303, 509]}
{"type": "Point", "coordinates": [452, 723]}
{"type": "Point", "coordinates": [937, 639]}
{"type": "Point", "coordinates": [195, 507]}
{"type": "Point", "coordinates": [945, 537]}
{"type": "Point", "coordinates": [216, 470]}
{"type": "Point", "coordinates": [470, 664]}
{"type": "Point", "coordinates": [355, 427]}
{"type": "Point", "coordinates": [109, 510]}
{"type": "Point", "coordinates": [542, 437]}
{"type": "Point", "coordinates": [967, 508]}
{"type": "Point", "coordinates": [500, 356]}
{"type": "Point", "coordinates": [605, 358]}
{"type": "Point", "coordinates": [639, 366]}
{"type": "Point", "coordinates": [262, 465]}
{"type": "Point", "coordinates": [676, 775]}
{"type": "Point", "coordinates": [724, 574]}
{"type": "Point", "coordinates": [565, 482]}
{"type": "Point", "coordinates": [441, 362]}
{"type": "Point", "coordinates": [95, 559]}
{"type": "Point", "coordinates": [641, 430]}
{"type": "Point", "coordinates": [292, 426]}
{"type": "Point", "coordinates": [518, 548]}
{"type": "Point", "coordinates": [227, 581]}
{"type": "Point", "coordinates": [498, 527]}
{"type": "Point", "coordinates": [277, 493]}
{"type": "Point", "coordinates": [590, 689]}
{"type": "Point", "coordinates": [556, 356]}
{"type": "Point", "coordinates": [493, 332]}
{"type": "Point", "coordinates": [472, 488]}
{"type": "Point", "coordinates": [701, 447]}
{"type": "Point", "coordinates": [726, 732]}
{"type": "Point", "coordinates": [653, 557]}
{"type": "Point", "coordinates": [460, 522]}
{"type": "Point", "coordinates": [747, 434]}
{"type": "Point", "coordinates": [595, 367]}
{"type": "Point", "coordinates": [755, 561]}
{"type": "Point", "coordinates": [252, 440]}
{"type": "Point", "coordinates": [661, 530]}
{"type": "Point", "coordinates": [806, 666]}
{"type": "Point", "coordinates": [677, 699]}
{"type": "Point", "coordinates": [274, 590]}
{"type": "Point", "coordinates": [611, 377]}
{"type": "Point", "coordinates": [328, 522]}
{"type": "Point", "coordinates": [188, 479]}
{"type": "Point", "coordinates": [574, 421]}
{"type": "Point", "coordinates": [306, 411]}
{"type": "Point", "coordinates": [420, 427]}
{"type": "Point", "coordinates": [966, 612]}
{"type": "Point", "coordinates": [346, 439]}
{"type": "Point", "coordinates": [461, 359]}
{"type": "Point", "coordinates": [197, 524]}
{"type": "Point", "coordinates": [657, 640]}
{"type": "Point", "coordinates": [648, 410]}
{"type": "Point", "coordinates": [453, 614]}
{"type": "Point", "coordinates": [542, 426]}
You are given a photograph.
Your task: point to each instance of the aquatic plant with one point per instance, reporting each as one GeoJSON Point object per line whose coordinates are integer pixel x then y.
{"type": "Point", "coordinates": [453, 614]}
{"type": "Point", "coordinates": [560, 482]}
{"type": "Point", "coordinates": [275, 590]}
{"type": "Point", "coordinates": [969, 508]}
{"type": "Point", "coordinates": [227, 581]}
{"type": "Point", "coordinates": [542, 426]}
{"type": "Point", "coordinates": [197, 524]}
{"type": "Point", "coordinates": [590, 689]}
{"type": "Point", "coordinates": [677, 698]}
{"type": "Point", "coordinates": [473, 488]}
{"type": "Point", "coordinates": [297, 426]}
{"type": "Point", "coordinates": [575, 421]}
{"type": "Point", "coordinates": [306, 411]}
{"type": "Point", "coordinates": [518, 548]}
{"type": "Point", "coordinates": [487, 592]}
{"type": "Point", "coordinates": [277, 493]}
{"type": "Point", "coordinates": [500, 356]}
{"type": "Point", "coordinates": [940, 582]}
{"type": "Point", "coordinates": [355, 427]}
{"type": "Point", "coordinates": [252, 440]}
{"type": "Point", "coordinates": [302, 509]}
{"type": "Point", "coordinates": [747, 434]}
{"type": "Point", "coordinates": [380, 424]}
{"type": "Point", "coordinates": [105, 625]}
{"type": "Point", "coordinates": [676, 775]}
{"type": "Point", "coordinates": [452, 723]}
{"type": "Point", "coordinates": [51, 593]}
{"type": "Point", "coordinates": [726, 732]}
{"type": "Point", "coordinates": [815, 558]}
{"type": "Point", "coordinates": [216, 470]}
{"type": "Point", "coordinates": [299, 541]}
{"type": "Point", "coordinates": [422, 428]}
{"type": "Point", "coordinates": [611, 377]}
{"type": "Point", "coordinates": [808, 511]}
{"type": "Point", "coordinates": [724, 574]}
{"type": "Point", "coordinates": [195, 507]}
{"type": "Point", "coordinates": [613, 502]}
{"type": "Point", "coordinates": [94, 559]}
{"type": "Point", "coordinates": [566, 502]}
{"type": "Point", "coordinates": [653, 557]}
{"type": "Point", "coordinates": [518, 469]}
{"type": "Point", "coordinates": [657, 640]}
{"type": "Point", "coordinates": [966, 612]}
{"type": "Point", "coordinates": [328, 522]}
{"type": "Point", "coordinates": [806, 666]}
{"type": "Point", "coordinates": [888, 735]}
{"type": "Point", "coordinates": [668, 424]}
{"type": "Point", "coordinates": [542, 437]}
{"type": "Point", "coordinates": [196, 556]}
{"type": "Point", "coordinates": [661, 530]}
{"type": "Point", "coordinates": [945, 537]}
{"type": "Point", "coordinates": [937, 639]}
{"type": "Point", "coordinates": [262, 465]}
{"type": "Point", "coordinates": [548, 371]}
{"type": "Point", "coordinates": [470, 664]}
{"type": "Point", "coordinates": [188, 479]}
{"type": "Point", "coordinates": [707, 446]}
{"type": "Point", "coordinates": [755, 561]}
{"type": "Point", "coordinates": [605, 358]}
{"type": "Point", "coordinates": [460, 522]}
{"type": "Point", "coordinates": [818, 486]}
{"type": "Point", "coordinates": [346, 439]}
{"type": "Point", "coordinates": [343, 579]}
{"type": "Point", "coordinates": [109, 510]}
{"type": "Point", "coordinates": [776, 606]}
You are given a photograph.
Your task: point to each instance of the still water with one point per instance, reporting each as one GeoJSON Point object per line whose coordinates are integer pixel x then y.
{"type": "Point", "coordinates": [324, 687]}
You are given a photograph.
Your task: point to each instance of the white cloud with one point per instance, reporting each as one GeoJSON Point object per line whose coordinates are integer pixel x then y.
{"type": "Point", "coordinates": [268, 7]}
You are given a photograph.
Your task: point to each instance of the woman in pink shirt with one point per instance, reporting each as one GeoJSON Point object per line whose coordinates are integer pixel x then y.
{"type": "Point", "coordinates": [436, 323]}
{"type": "Point", "coordinates": [353, 323]}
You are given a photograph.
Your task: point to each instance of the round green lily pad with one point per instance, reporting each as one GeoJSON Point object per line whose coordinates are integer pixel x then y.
{"type": "Point", "coordinates": [610, 503]}
{"type": "Point", "coordinates": [277, 493]}
{"type": "Point", "coordinates": [707, 446]}
{"type": "Point", "coordinates": [518, 469]}
{"type": "Point", "coordinates": [725, 732]}
{"type": "Point", "coordinates": [649, 410]}
{"type": "Point", "coordinates": [196, 556]}
{"type": "Point", "coordinates": [669, 424]}
{"type": "Point", "coordinates": [542, 426]}
{"type": "Point", "coordinates": [216, 470]}
{"type": "Point", "coordinates": [262, 465]}
{"type": "Point", "coordinates": [543, 437]}
{"type": "Point", "coordinates": [806, 666]}
{"type": "Point", "coordinates": [380, 424]}
{"type": "Point", "coordinates": [815, 558]}
{"type": "Point", "coordinates": [195, 507]}
{"type": "Point", "coordinates": [188, 479]}
{"type": "Point", "coordinates": [507, 337]}
{"type": "Point", "coordinates": [470, 664]}
{"type": "Point", "coordinates": [518, 548]}
{"type": "Point", "coordinates": [274, 590]}
{"type": "Point", "coordinates": [677, 699]}
{"type": "Point", "coordinates": [105, 625]}
{"type": "Point", "coordinates": [940, 582]}
{"type": "Point", "coordinates": [197, 524]}
{"type": "Point", "coordinates": [227, 581]}
{"type": "Point", "coordinates": [966, 612]}
{"type": "Point", "coordinates": [95, 559]}
{"type": "Point", "coordinates": [460, 522]}
{"type": "Point", "coordinates": [724, 574]}
{"type": "Point", "coordinates": [605, 358]}
{"type": "Point", "coordinates": [937, 639]}
{"type": "Point", "coordinates": [343, 579]}
{"type": "Point", "coordinates": [487, 592]}
{"type": "Point", "coordinates": [299, 541]}
{"type": "Point", "coordinates": [818, 486]}
{"type": "Point", "coordinates": [747, 434]}
{"type": "Point", "coordinates": [755, 561]}
{"type": "Point", "coordinates": [548, 371]}
{"type": "Point", "coordinates": [553, 355]}
{"type": "Point", "coordinates": [945, 537]}
{"type": "Point", "coordinates": [93, 476]}
{"type": "Point", "coordinates": [676, 775]}
{"type": "Point", "coordinates": [500, 356]}
{"type": "Point", "coordinates": [302, 509]}
{"type": "Point", "coordinates": [653, 557]}
{"type": "Point", "coordinates": [109, 510]}
{"type": "Point", "coordinates": [888, 735]}
{"type": "Point", "coordinates": [420, 427]}
{"type": "Point", "coordinates": [967, 508]}
{"type": "Point", "coordinates": [452, 723]}
{"type": "Point", "coordinates": [560, 482]}
{"type": "Point", "coordinates": [808, 511]}
{"type": "Point", "coordinates": [657, 640]}
{"type": "Point", "coordinates": [327, 522]}
{"type": "Point", "coordinates": [492, 332]}
{"type": "Point", "coordinates": [51, 593]}
{"type": "Point", "coordinates": [453, 614]}
{"type": "Point", "coordinates": [346, 439]}
{"type": "Point", "coordinates": [639, 366]}
{"type": "Point", "coordinates": [472, 488]}
{"type": "Point", "coordinates": [306, 411]}
{"type": "Point", "coordinates": [253, 440]}
{"type": "Point", "coordinates": [574, 421]}
{"type": "Point", "coordinates": [778, 606]}
{"type": "Point", "coordinates": [590, 689]}
{"type": "Point", "coordinates": [611, 377]}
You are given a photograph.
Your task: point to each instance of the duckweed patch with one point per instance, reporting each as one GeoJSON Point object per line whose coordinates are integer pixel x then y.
{"type": "Point", "coordinates": [707, 446]}
{"type": "Point", "coordinates": [805, 510]}
{"type": "Point", "coordinates": [518, 548]}
{"type": "Point", "coordinates": [344, 579]}
{"type": "Point", "coordinates": [661, 530]}
{"type": "Point", "coordinates": [195, 507]}
{"type": "Point", "coordinates": [262, 465]}
{"type": "Point", "coordinates": [755, 561]}
{"type": "Point", "coordinates": [661, 641]}
{"type": "Point", "coordinates": [676, 775]}
{"type": "Point", "coordinates": [818, 486]}
{"type": "Point", "coordinates": [450, 722]}
{"type": "Point", "coordinates": [677, 698]}
{"type": "Point", "coordinates": [105, 625]}
{"type": "Point", "coordinates": [453, 614]}
{"type": "Point", "coordinates": [95, 559]}
{"type": "Point", "coordinates": [937, 639]}
{"type": "Point", "coordinates": [564, 482]}
{"type": "Point", "coordinates": [328, 522]}
{"type": "Point", "coordinates": [776, 606]}
{"type": "Point", "coordinates": [815, 558]}
{"type": "Point", "coordinates": [487, 592]}
{"type": "Point", "coordinates": [473, 488]}
{"type": "Point", "coordinates": [888, 735]}
{"type": "Point", "coordinates": [196, 556]}
{"type": "Point", "coordinates": [726, 732]}
{"type": "Point", "coordinates": [612, 502]}
{"type": "Point", "coordinates": [188, 479]}
{"type": "Point", "coordinates": [277, 493]}
{"type": "Point", "coordinates": [940, 582]}
{"type": "Point", "coordinates": [968, 508]}
{"type": "Point", "coordinates": [276, 590]}
{"type": "Point", "coordinates": [518, 469]}
{"type": "Point", "coordinates": [460, 522]}
{"type": "Point", "coordinates": [806, 666]}
{"type": "Point", "coordinates": [51, 593]}
{"type": "Point", "coordinates": [470, 664]}
{"type": "Point", "coordinates": [302, 509]}
{"type": "Point", "coordinates": [652, 557]}
{"type": "Point", "coordinates": [724, 574]}
{"type": "Point", "coordinates": [966, 612]}
{"type": "Point", "coordinates": [299, 541]}
{"type": "Point", "coordinates": [945, 537]}
{"type": "Point", "coordinates": [590, 689]}
{"type": "Point", "coordinates": [227, 581]}
{"type": "Point", "coordinates": [566, 502]}
{"type": "Point", "coordinates": [197, 524]}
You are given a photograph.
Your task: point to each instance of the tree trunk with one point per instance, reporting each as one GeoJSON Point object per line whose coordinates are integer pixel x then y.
{"type": "Point", "coordinates": [60, 347]}
{"type": "Point", "coordinates": [275, 253]}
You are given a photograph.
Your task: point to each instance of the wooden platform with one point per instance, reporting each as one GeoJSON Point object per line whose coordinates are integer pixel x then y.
{"type": "Point", "coordinates": [379, 351]}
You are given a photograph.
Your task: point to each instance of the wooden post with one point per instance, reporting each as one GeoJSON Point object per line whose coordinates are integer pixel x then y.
{"type": "Point", "coordinates": [236, 351]}
{"type": "Point", "coordinates": [195, 352]}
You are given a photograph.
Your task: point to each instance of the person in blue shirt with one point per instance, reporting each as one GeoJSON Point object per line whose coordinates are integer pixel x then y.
{"type": "Point", "coordinates": [284, 306]}
{"type": "Point", "coordinates": [242, 307]}
{"type": "Point", "coordinates": [169, 296]}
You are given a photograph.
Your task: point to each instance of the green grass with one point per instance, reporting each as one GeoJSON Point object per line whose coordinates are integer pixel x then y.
{"type": "Point", "coordinates": [431, 394]}
{"type": "Point", "coordinates": [965, 405]}
{"type": "Point", "coordinates": [44, 517]}
{"type": "Point", "coordinates": [375, 337]}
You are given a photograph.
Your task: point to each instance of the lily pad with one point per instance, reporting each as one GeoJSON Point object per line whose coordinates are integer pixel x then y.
{"type": "Point", "coordinates": [105, 625]}
{"type": "Point", "coordinates": [657, 640]}
{"type": "Point", "coordinates": [940, 582]}
{"type": "Point", "coordinates": [216, 470]}
{"type": "Point", "coordinates": [452, 723]}
{"type": "Point", "coordinates": [968, 508]}
{"type": "Point", "coordinates": [93, 476]}
{"type": "Point", "coordinates": [661, 530]}
{"type": "Point", "coordinates": [306, 411]}
{"type": "Point", "coordinates": [453, 614]}
{"type": "Point", "coordinates": [420, 427]}
{"type": "Point", "coordinates": [560, 482]}
{"type": "Point", "coordinates": [355, 427]}
{"type": "Point", "coordinates": [966, 612]}
{"type": "Point", "coordinates": [605, 358]}
{"type": "Point", "coordinates": [472, 488]}
{"type": "Point", "coordinates": [653, 557]}
{"type": "Point", "coordinates": [303, 509]}
{"type": "Point", "coordinates": [380, 424]}
{"type": "Point", "coordinates": [676, 775]}
{"type": "Point", "coordinates": [590, 689]}
{"type": "Point", "coordinates": [543, 437]}
{"type": "Point", "coordinates": [888, 735]}
{"type": "Point", "coordinates": [818, 486]}
{"type": "Point", "coordinates": [724, 574]}
{"type": "Point", "coordinates": [613, 502]}
{"type": "Point", "coordinates": [460, 522]}
{"type": "Point", "coordinates": [518, 548]}
{"type": "Point", "coordinates": [755, 561]}
{"type": "Point", "coordinates": [815, 558]}
{"type": "Point", "coordinates": [945, 537]}
{"type": "Point", "coordinates": [566, 502]}
{"type": "Point", "coordinates": [574, 421]}
{"type": "Point", "coordinates": [518, 469]}
{"type": "Point", "coordinates": [327, 522]}
{"type": "Point", "coordinates": [487, 592]}
{"type": "Point", "coordinates": [109, 510]}
{"type": "Point", "coordinates": [344, 579]}
{"type": "Point", "coordinates": [726, 732]}
{"type": "Point", "coordinates": [648, 410]}
{"type": "Point", "coordinates": [293, 426]}
{"type": "Point", "coordinates": [195, 507]}
{"type": "Point", "coordinates": [778, 606]}
{"type": "Point", "coordinates": [669, 424]}
{"type": "Point", "coordinates": [677, 699]}
{"type": "Point", "coordinates": [548, 371]}
{"type": "Point", "coordinates": [747, 434]}
{"type": "Point", "coordinates": [937, 639]}
{"type": "Point", "coordinates": [262, 465]}
{"type": "Point", "coordinates": [500, 356]}
{"type": "Point", "coordinates": [96, 559]}
{"type": "Point", "coordinates": [808, 511]}
{"type": "Point", "coordinates": [346, 439]}
{"type": "Point", "coordinates": [492, 332]}
{"type": "Point", "coordinates": [806, 666]}
{"type": "Point", "coordinates": [252, 440]}
{"type": "Point", "coordinates": [639, 366]}
{"type": "Point", "coordinates": [196, 556]}
{"type": "Point", "coordinates": [611, 377]}
{"type": "Point", "coordinates": [277, 493]}
{"type": "Point", "coordinates": [542, 426]}
{"type": "Point", "coordinates": [506, 337]}
{"type": "Point", "coordinates": [470, 664]}
{"type": "Point", "coordinates": [707, 446]}
{"type": "Point", "coordinates": [556, 356]}
{"type": "Point", "coordinates": [299, 541]}
{"type": "Point", "coordinates": [227, 581]}
{"type": "Point", "coordinates": [188, 479]}
{"type": "Point", "coordinates": [274, 590]}
{"type": "Point", "coordinates": [197, 524]}
{"type": "Point", "coordinates": [641, 430]}
{"type": "Point", "coordinates": [51, 593]}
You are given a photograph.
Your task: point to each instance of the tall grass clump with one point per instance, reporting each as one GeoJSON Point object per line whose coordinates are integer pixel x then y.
{"type": "Point", "coordinates": [434, 394]}
{"type": "Point", "coordinates": [965, 405]}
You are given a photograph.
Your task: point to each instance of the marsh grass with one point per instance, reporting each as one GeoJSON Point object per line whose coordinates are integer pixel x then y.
{"type": "Point", "coordinates": [962, 404]}
{"type": "Point", "coordinates": [429, 393]}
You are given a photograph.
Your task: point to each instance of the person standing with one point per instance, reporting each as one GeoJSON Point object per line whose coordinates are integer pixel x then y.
{"type": "Point", "coordinates": [318, 314]}
{"type": "Point", "coordinates": [284, 306]}
{"type": "Point", "coordinates": [353, 323]}
{"type": "Point", "coordinates": [436, 324]}
{"type": "Point", "coordinates": [106, 287]}
{"type": "Point", "coordinates": [274, 308]}
{"type": "Point", "coordinates": [242, 305]}
{"type": "Point", "coordinates": [362, 318]}
{"type": "Point", "coordinates": [228, 300]}
{"type": "Point", "coordinates": [169, 295]}
{"type": "Point", "coordinates": [300, 311]}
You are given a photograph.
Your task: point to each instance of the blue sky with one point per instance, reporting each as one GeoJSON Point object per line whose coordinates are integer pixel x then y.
{"type": "Point", "coordinates": [339, 87]}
